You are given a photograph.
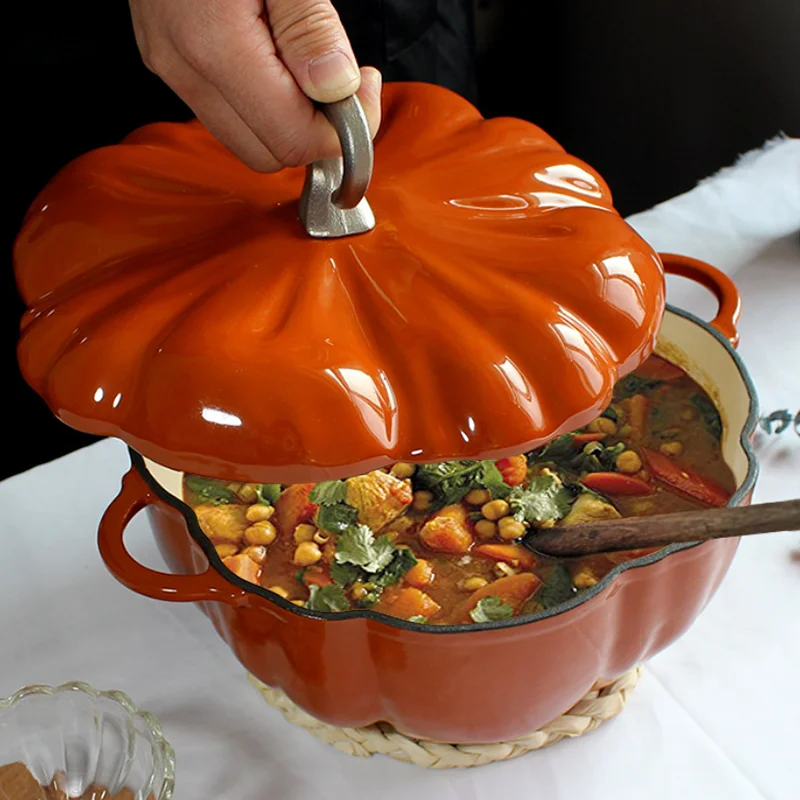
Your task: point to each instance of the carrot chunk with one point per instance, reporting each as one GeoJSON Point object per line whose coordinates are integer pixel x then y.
{"type": "Point", "coordinates": [243, 566]}
{"type": "Point", "coordinates": [513, 589]}
{"type": "Point", "coordinates": [420, 575]}
{"type": "Point", "coordinates": [638, 408]}
{"type": "Point", "coordinates": [514, 469]}
{"type": "Point", "coordinates": [407, 602]}
{"type": "Point", "coordinates": [685, 481]}
{"type": "Point", "coordinates": [514, 554]}
{"type": "Point", "coordinates": [616, 484]}
{"type": "Point", "coordinates": [448, 531]}
{"type": "Point", "coordinates": [656, 368]}
{"type": "Point", "coordinates": [293, 507]}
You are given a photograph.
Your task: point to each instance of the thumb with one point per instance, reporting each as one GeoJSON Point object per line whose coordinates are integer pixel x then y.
{"type": "Point", "coordinates": [312, 43]}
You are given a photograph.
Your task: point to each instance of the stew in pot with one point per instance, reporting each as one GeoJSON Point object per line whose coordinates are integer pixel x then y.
{"type": "Point", "coordinates": [444, 543]}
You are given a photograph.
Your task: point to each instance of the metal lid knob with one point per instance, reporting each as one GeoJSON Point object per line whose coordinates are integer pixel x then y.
{"type": "Point", "coordinates": [333, 201]}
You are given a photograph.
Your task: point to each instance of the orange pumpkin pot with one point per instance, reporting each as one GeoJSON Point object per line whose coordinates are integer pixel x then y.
{"type": "Point", "coordinates": [436, 682]}
{"type": "Point", "coordinates": [175, 301]}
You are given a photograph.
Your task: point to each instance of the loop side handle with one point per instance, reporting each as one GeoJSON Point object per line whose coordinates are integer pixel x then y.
{"type": "Point", "coordinates": [135, 495]}
{"type": "Point", "coordinates": [718, 283]}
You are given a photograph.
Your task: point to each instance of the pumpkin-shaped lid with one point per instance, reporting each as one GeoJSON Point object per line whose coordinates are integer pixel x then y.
{"type": "Point", "coordinates": [176, 300]}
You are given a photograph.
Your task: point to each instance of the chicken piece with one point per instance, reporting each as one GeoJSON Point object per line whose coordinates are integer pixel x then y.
{"type": "Point", "coordinates": [223, 524]}
{"type": "Point", "coordinates": [243, 566]}
{"type": "Point", "coordinates": [378, 497]}
{"type": "Point", "coordinates": [448, 531]}
{"type": "Point", "coordinates": [590, 508]}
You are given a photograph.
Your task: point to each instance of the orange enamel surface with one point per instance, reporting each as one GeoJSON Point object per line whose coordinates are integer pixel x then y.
{"type": "Point", "coordinates": [176, 302]}
{"type": "Point", "coordinates": [355, 672]}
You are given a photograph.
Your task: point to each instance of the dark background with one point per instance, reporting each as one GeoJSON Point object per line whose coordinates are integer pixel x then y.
{"type": "Point", "coordinates": [655, 94]}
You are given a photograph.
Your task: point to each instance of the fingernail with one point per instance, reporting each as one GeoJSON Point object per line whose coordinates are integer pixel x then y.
{"type": "Point", "coordinates": [332, 73]}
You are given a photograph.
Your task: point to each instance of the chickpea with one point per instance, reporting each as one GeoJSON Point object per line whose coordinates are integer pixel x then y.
{"type": "Point", "coordinates": [628, 461]}
{"type": "Point", "coordinates": [672, 449]}
{"type": "Point", "coordinates": [495, 509]}
{"type": "Point", "coordinates": [226, 550]}
{"type": "Point", "coordinates": [584, 578]}
{"type": "Point", "coordinates": [257, 552]}
{"type": "Point", "coordinates": [247, 493]}
{"type": "Point", "coordinates": [625, 431]}
{"type": "Point", "coordinates": [509, 528]}
{"type": "Point", "coordinates": [259, 513]}
{"type": "Point", "coordinates": [603, 425]}
{"type": "Point", "coordinates": [486, 529]}
{"type": "Point", "coordinates": [279, 590]}
{"type": "Point", "coordinates": [474, 582]}
{"type": "Point", "coordinates": [403, 470]}
{"type": "Point", "coordinates": [306, 554]}
{"type": "Point", "coordinates": [422, 500]}
{"type": "Point", "coordinates": [321, 537]}
{"type": "Point", "coordinates": [503, 570]}
{"type": "Point", "coordinates": [263, 533]}
{"type": "Point", "coordinates": [304, 533]}
{"type": "Point", "coordinates": [478, 497]}
{"type": "Point", "coordinates": [301, 603]}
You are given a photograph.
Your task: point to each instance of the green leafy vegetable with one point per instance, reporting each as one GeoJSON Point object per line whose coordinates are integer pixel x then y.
{"type": "Point", "coordinates": [557, 587]}
{"type": "Point", "coordinates": [327, 598]}
{"type": "Point", "coordinates": [451, 481]}
{"type": "Point", "coordinates": [345, 574]}
{"type": "Point", "coordinates": [328, 493]}
{"type": "Point", "coordinates": [544, 499]}
{"type": "Point", "coordinates": [418, 618]}
{"type": "Point", "coordinates": [336, 518]}
{"type": "Point", "coordinates": [268, 493]}
{"type": "Point", "coordinates": [209, 490]}
{"type": "Point", "coordinates": [609, 413]}
{"type": "Point", "coordinates": [709, 413]}
{"type": "Point", "coordinates": [559, 449]}
{"type": "Point", "coordinates": [632, 384]}
{"type": "Point", "coordinates": [491, 609]}
{"type": "Point", "coordinates": [300, 574]}
{"type": "Point", "coordinates": [596, 457]}
{"type": "Point", "coordinates": [358, 546]}
{"type": "Point", "coordinates": [401, 562]}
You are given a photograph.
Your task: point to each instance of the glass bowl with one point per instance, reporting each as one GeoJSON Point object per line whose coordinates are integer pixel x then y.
{"type": "Point", "coordinates": [86, 741]}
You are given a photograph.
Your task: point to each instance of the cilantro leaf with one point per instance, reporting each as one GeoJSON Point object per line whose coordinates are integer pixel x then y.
{"type": "Point", "coordinates": [560, 448]}
{"type": "Point", "coordinates": [451, 481]}
{"type": "Point", "coordinates": [401, 562]}
{"type": "Point", "coordinates": [327, 598]}
{"type": "Point", "coordinates": [328, 493]}
{"type": "Point", "coordinates": [345, 574]}
{"type": "Point", "coordinates": [209, 490]}
{"type": "Point", "coordinates": [544, 499]}
{"type": "Point", "coordinates": [557, 587]}
{"type": "Point", "coordinates": [336, 518]}
{"type": "Point", "coordinates": [489, 477]}
{"type": "Point", "coordinates": [268, 493]}
{"type": "Point", "coordinates": [490, 609]}
{"type": "Point", "coordinates": [358, 545]}
{"type": "Point", "coordinates": [418, 618]}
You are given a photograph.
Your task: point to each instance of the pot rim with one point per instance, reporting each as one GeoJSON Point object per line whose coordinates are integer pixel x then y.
{"type": "Point", "coordinates": [215, 561]}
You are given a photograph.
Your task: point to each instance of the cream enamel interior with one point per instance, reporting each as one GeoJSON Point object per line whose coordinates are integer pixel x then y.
{"type": "Point", "coordinates": [681, 341]}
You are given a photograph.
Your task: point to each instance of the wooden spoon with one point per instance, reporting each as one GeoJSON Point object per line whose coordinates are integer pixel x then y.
{"type": "Point", "coordinates": [633, 533]}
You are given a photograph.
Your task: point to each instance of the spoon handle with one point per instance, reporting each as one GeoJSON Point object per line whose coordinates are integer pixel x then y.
{"type": "Point", "coordinates": [688, 526]}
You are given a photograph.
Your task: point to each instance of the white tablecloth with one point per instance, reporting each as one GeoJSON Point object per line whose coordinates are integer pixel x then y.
{"type": "Point", "coordinates": [715, 717]}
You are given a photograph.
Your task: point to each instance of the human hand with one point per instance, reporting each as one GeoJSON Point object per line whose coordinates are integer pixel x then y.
{"type": "Point", "coordinates": [249, 70]}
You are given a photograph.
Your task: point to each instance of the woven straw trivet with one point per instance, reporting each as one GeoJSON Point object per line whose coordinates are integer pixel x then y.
{"type": "Point", "coordinates": [602, 703]}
